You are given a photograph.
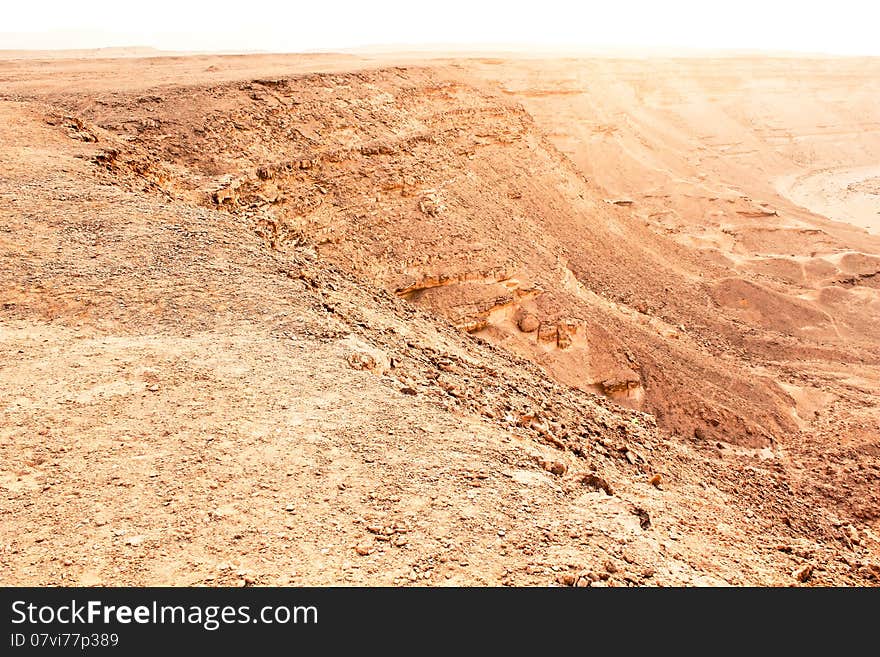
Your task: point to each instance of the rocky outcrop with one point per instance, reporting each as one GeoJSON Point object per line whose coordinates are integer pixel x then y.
{"type": "Point", "coordinates": [500, 275]}
{"type": "Point", "coordinates": [560, 334]}
{"type": "Point", "coordinates": [625, 387]}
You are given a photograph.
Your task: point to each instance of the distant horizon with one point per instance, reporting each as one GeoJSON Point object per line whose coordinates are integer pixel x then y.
{"type": "Point", "coordinates": [448, 49]}
{"type": "Point", "coordinates": [844, 28]}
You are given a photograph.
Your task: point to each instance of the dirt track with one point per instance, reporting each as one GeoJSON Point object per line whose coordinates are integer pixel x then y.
{"type": "Point", "coordinates": [355, 320]}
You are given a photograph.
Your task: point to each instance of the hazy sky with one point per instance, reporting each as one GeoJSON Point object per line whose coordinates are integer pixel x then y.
{"type": "Point", "coordinates": [841, 26]}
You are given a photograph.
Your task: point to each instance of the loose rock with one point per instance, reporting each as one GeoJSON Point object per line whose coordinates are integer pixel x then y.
{"type": "Point", "coordinates": [804, 573]}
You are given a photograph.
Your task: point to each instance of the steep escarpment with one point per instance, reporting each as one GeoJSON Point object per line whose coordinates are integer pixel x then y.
{"type": "Point", "coordinates": [454, 199]}
{"type": "Point", "coordinates": [346, 327]}
{"type": "Point", "coordinates": [764, 167]}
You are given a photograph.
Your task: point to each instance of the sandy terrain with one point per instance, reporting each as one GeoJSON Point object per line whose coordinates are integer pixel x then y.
{"type": "Point", "coordinates": [388, 319]}
{"type": "Point", "coordinates": [847, 195]}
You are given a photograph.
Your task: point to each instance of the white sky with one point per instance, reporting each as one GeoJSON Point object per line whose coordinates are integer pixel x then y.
{"type": "Point", "coordinates": [838, 26]}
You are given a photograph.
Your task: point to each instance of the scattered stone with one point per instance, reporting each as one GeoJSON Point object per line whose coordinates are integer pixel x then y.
{"type": "Point", "coordinates": [134, 540]}
{"type": "Point", "coordinates": [586, 578]}
{"type": "Point", "coordinates": [853, 535]}
{"type": "Point", "coordinates": [594, 482]}
{"type": "Point", "coordinates": [364, 549]}
{"type": "Point", "coordinates": [870, 570]}
{"type": "Point", "coordinates": [643, 516]}
{"type": "Point", "coordinates": [365, 356]}
{"type": "Point", "coordinates": [361, 361]}
{"type": "Point", "coordinates": [451, 388]}
{"type": "Point", "coordinates": [528, 323]}
{"type": "Point", "coordinates": [153, 387]}
{"type": "Point", "coordinates": [566, 579]}
{"type": "Point", "coordinates": [550, 438]}
{"type": "Point", "coordinates": [554, 467]}
{"type": "Point", "coordinates": [656, 480]}
{"type": "Point", "coordinates": [431, 206]}
{"type": "Point", "coordinates": [804, 573]}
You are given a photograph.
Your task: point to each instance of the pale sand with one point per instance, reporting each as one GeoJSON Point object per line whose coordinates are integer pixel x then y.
{"type": "Point", "coordinates": [831, 193]}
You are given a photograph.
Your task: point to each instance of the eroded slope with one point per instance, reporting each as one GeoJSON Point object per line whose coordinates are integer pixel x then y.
{"type": "Point", "coordinates": [453, 199]}
{"type": "Point", "coordinates": [204, 381]}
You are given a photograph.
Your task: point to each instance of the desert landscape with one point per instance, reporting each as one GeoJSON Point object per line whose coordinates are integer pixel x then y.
{"type": "Point", "coordinates": [439, 319]}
